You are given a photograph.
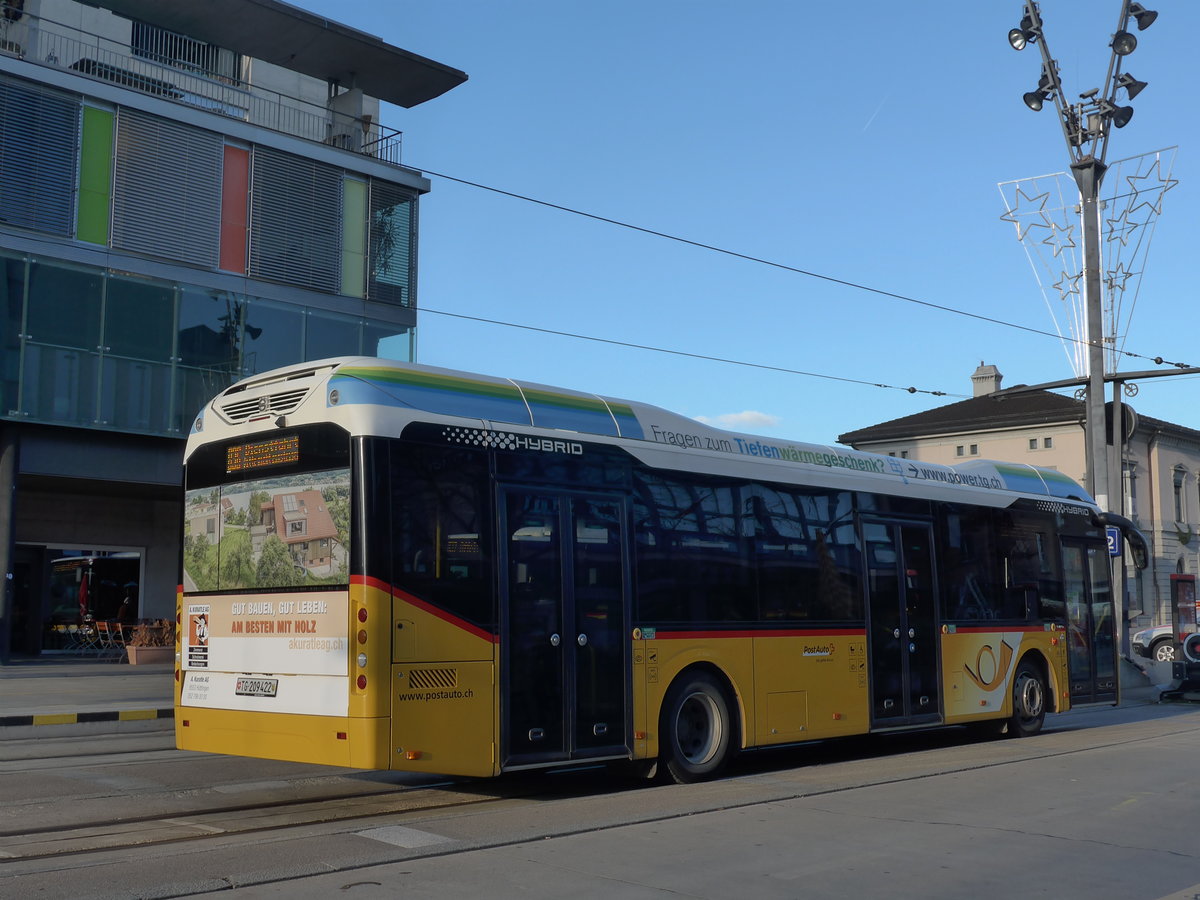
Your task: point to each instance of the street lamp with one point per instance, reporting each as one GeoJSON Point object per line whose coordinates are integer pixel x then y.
{"type": "Point", "coordinates": [1086, 127]}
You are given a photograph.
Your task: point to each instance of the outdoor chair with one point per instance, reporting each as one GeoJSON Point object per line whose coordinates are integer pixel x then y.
{"type": "Point", "coordinates": [88, 640]}
{"type": "Point", "coordinates": [110, 641]}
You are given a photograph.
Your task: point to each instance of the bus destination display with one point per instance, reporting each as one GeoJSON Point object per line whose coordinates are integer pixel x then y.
{"type": "Point", "coordinates": [262, 454]}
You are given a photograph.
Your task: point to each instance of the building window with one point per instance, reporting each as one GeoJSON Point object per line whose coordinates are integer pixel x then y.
{"type": "Point", "coordinates": [167, 189]}
{"type": "Point", "coordinates": [295, 221]}
{"type": "Point", "coordinates": [39, 131]}
{"type": "Point", "coordinates": [1047, 443]}
{"type": "Point", "coordinates": [1180, 475]}
{"type": "Point", "coordinates": [959, 450]}
{"type": "Point", "coordinates": [391, 252]}
{"type": "Point", "coordinates": [974, 449]}
{"type": "Point", "coordinates": [1033, 444]}
{"type": "Point", "coordinates": [904, 454]}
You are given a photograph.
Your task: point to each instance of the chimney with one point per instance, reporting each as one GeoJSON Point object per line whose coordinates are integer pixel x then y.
{"type": "Point", "coordinates": [986, 380]}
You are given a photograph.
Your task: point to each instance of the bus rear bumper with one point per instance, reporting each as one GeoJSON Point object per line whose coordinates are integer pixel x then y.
{"type": "Point", "coordinates": [357, 743]}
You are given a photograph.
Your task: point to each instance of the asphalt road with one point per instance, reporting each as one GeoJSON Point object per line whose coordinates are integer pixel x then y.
{"type": "Point", "coordinates": [1100, 805]}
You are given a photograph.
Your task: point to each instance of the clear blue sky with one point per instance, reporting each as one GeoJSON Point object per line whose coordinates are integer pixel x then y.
{"type": "Point", "coordinates": [862, 140]}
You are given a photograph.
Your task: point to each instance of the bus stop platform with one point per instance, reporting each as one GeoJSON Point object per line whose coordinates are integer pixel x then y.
{"type": "Point", "coordinates": [62, 696]}
{"type": "Point", "coordinates": [56, 696]}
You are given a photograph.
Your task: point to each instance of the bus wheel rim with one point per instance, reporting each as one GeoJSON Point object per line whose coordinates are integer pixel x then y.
{"type": "Point", "coordinates": [698, 728]}
{"type": "Point", "coordinates": [1029, 697]}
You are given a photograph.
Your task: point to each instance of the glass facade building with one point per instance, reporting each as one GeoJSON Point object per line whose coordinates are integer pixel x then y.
{"type": "Point", "coordinates": [109, 346]}
{"type": "Point", "coordinates": [102, 348]}
{"type": "Point", "coordinates": [176, 214]}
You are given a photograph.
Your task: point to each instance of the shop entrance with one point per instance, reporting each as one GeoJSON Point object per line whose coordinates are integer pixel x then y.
{"type": "Point", "coordinates": [56, 588]}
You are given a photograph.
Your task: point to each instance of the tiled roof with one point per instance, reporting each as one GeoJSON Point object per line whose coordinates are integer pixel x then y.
{"type": "Point", "coordinates": [990, 412]}
{"type": "Point", "coordinates": [977, 414]}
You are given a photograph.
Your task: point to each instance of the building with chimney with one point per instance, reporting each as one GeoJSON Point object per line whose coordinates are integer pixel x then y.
{"type": "Point", "coordinates": [1160, 469]}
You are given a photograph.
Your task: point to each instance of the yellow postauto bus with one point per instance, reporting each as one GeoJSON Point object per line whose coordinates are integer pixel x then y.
{"type": "Point", "coordinates": [393, 566]}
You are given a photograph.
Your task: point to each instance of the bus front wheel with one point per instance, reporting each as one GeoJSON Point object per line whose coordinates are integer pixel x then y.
{"type": "Point", "coordinates": [696, 728]}
{"type": "Point", "coordinates": [1029, 701]}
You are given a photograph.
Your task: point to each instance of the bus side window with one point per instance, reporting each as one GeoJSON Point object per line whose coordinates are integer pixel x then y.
{"type": "Point", "coordinates": [972, 587]}
{"type": "Point", "coordinates": [1032, 574]}
{"type": "Point", "coordinates": [440, 500]}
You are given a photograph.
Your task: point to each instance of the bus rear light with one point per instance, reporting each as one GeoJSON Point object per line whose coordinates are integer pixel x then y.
{"type": "Point", "coordinates": [362, 661]}
{"type": "Point", "coordinates": [187, 723]}
{"type": "Point", "coordinates": [412, 754]}
{"type": "Point", "coordinates": [362, 636]}
{"type": "Point", "coordinates": [341, 735]}
{"type": "Point", "coordinates": [837, 717]}
{"type": "Point", "coordinates": [177, 675]}
{"type": "Point", "coordinates": [362, 682]}
{"type": "Point", "coordinates": [639, 735]}
{"type": "Point", "coordinates": [362, 614]}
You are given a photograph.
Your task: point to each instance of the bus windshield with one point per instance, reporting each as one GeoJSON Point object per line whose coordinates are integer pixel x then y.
{"type": "Point", "coordinates": [285, 532]}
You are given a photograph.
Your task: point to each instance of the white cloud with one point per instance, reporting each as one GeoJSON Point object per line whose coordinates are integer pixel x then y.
{"type": "Point", "coordinates": [746, 419]}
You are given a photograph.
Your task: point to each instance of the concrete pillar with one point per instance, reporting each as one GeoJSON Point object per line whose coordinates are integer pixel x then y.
{"type": "Point", "coordinates": [10, 445]}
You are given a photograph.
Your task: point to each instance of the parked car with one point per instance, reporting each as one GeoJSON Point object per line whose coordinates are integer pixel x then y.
{"type": "Point", "coordinates": [1157, 643]}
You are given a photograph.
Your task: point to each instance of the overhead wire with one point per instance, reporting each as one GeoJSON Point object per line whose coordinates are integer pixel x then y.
{"type": "Point", "coordinates": [1158, 360]}
{"type": "Point", "coordinates": [702, 356]}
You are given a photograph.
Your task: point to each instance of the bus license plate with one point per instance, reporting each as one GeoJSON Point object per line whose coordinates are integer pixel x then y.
{"type": "Point", "coordinates": [256, 687]}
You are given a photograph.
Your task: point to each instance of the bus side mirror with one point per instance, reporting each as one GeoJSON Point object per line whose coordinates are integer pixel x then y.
{"type": "Point", "coordinates": [1141, 558]}
{"type": "Point", "coordinates": [1134, 539]}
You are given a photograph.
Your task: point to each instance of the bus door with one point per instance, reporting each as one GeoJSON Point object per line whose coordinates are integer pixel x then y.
{"type": "Point", "coordinates": [1091, 629]}
{"type": "Point", "coordinates": [565, 683]}
{"type": "Point", "coordinates": [902, 619]}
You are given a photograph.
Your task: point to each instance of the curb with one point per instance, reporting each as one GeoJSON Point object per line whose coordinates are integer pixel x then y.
{"type": "Point", "coordinates": [100, 722]}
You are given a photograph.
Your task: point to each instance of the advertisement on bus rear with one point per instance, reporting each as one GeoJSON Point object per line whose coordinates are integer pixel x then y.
{"type": "Point", "coordinates": [292, 633]}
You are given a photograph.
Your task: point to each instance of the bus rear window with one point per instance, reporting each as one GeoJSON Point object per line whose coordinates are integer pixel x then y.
{"type": "Point", "coordinates": [290, 531]}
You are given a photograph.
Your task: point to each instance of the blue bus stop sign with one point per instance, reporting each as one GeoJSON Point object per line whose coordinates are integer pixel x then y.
{"type": "Point", "coordinates": [1116, 545]}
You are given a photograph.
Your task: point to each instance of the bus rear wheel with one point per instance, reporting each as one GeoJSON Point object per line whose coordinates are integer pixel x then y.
{"type": "Point", "coordinates": [696, 728]}
{"type": "Point", "coordinates": [1029, 701]}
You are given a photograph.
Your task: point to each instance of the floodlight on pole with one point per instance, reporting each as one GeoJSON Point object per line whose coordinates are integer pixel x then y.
{"type": "Point", "coordinates": [1086, 127]}
{"type": "Point", "coordinates": [1022, 34]}
{"type": "Point", "coordinates": [1132, 86]}
{"type": "Point", "coordinates": [1144, 17]}
{"type": "Point", "coordinates": [1045, 90]}
{"type": "Point", "coordinates": [1123, 43]}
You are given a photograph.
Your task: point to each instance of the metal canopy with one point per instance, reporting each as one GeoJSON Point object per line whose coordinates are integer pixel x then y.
{"type": "Point", "coordinates": [281, 34]}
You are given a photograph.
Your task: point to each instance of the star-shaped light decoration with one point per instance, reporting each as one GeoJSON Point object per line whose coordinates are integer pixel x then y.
{"type": "Point", "coordinates": [1152, 190]}
{"type": "Point", "coordinates": [1016, 213]}
{"type": "Point", "coordinates": [1067, 284]}
{"type": "Point", "coordinates": [1116, 277]}
{"type": "Point", "coordinates": [1121, 228]}
{"type": "Point", "coordinates": [1059, 244]}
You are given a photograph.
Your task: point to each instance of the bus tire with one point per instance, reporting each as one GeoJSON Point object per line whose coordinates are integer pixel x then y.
{"type": "Point", "coordinates": [697, 728]}
{"type": "Point", "coordinates": [1028, 699]}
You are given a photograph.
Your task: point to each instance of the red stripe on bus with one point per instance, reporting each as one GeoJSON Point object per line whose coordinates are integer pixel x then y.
{"type": "Point", "coordinates": [449, 618]}
{"type": "Point", "coordinates": [996, 629]}
{"type": "Point", "coordinates": [370, 582]}
{"type": "Point", "coordinates": [420, 604]}
{"type": "Point", "coordinates": [759, 632]}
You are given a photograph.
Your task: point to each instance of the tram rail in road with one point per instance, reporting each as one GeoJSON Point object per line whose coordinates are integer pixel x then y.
{"type": "Point", "coordinates": [769, 776]}
{"type": "Point", "coordinates": [245, 819]}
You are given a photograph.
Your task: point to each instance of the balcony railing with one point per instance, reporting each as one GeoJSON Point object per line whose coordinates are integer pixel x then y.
{"type": "Point", "coordinates": [43, 41]}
